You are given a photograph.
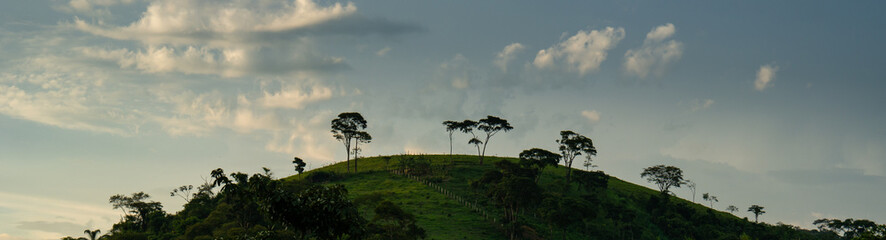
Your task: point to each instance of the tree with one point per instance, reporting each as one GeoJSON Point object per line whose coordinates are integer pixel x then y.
{"type": "Point", "coordinates": [467, 126]}
{"type": "Point", "coordinates": [183, 192]}
{"type": "Point", "coordinates": [299, 164]}
{"type": "Point", "coordinates": [538, 159]}
{"type": "Point", "coordinates": [710, 198]}
{"type": "Point", "coordinates": [360, 137]}
{"type": "Point", "coordinates": [572, 145]}
{"type": "Point", "coordinates": [345, 128]}
{"type": "Point", "coordinates": [492, 125]}
{"type": "Point", "coordinates": [757, 210]}
{"type": "Point", "coordinates": [391, 222]}
{"type": "Point", "coordinates": [691, 185]}
{"type": "Point", "coordinates": [137, 211]}
{"type": "Point", "coordinates": [476, 142]}
{"type": "Point", "coordinates": [852, 228]}
{"type": "Point", "coordinates": [92, 234]}
{"type": "Point", "coordinates": [663, 176]}
{"type": "Point", "coordinates": [732, 209]}
{"type": "Point", "coordinates": [451, 127]}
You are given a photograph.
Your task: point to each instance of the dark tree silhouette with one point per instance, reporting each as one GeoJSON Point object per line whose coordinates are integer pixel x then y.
{"type": "Point", "coordinates": [757, 210]}
{"type": "Point", "coordinates": [360, 137]}
{"type": "Point", "coordinates": [391, 222]}
{"type": "Point", "coordinates": [299, 164]}
{"type": "Point", "coordinates": [492, 125]}
{"type": "Point", "coordinates": [663, 176]}
{"type": "Point", "coordinates": [183, 192]}
{"type": "Point", "coordinates": [538, 159]}
{"type": "Point", "coordinates": [345, 128]}
{"type": "Point", "coordinates": [852, 228]}
{"type": "Point", "coordinates": [572, 145]}
{"type": "Point", "coordinates": [710, 198]}
{"type": "Point", "coordinates": [451, 127]}
{"type": "Point", "coordinates": [732, 209]}
{"type": "Point", "coordinates": [691, 185]}
{"type": "Point", "coordinates": [92, 234]}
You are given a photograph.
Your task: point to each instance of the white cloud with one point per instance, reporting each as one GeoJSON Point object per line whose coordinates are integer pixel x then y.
{"type": "Point", "coordinates": [592, 116]}
{"type": "Point", "coordinates": [506, 55]}
{"type": "Point", "coordinates": [218, 23]}
{"type": "Point", "coordinates": [765, 76]}
{"type": "Point", "coordinates": [582, 52]}
{"type": "Point", "coordinates": [382, 52]}
{"type": "Point", "coordinates": [31, 212]}
{"type": "Point", "coordinates": [235, 38]}
{"type": "Point", "coordinates": [655, 54]}
{"type": "Point", "coordinates": [699, 104]}
{"type": "Point", "coordinates": [294, 97]}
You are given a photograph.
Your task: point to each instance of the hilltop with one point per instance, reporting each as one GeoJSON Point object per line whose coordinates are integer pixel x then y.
{"type": "Point", "coordinates": [435, 197]}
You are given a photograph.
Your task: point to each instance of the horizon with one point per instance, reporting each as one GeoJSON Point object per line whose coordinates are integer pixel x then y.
{"type": "Point", "coordinates": [775, 104]}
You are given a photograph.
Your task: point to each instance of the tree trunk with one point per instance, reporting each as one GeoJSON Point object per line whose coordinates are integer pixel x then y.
{"type": "Point", "coordinates": [450, 148]}
{"type": "Point", "coordinates": [356, 147]}
{"type": "Point", "coordinates": [484, 149]}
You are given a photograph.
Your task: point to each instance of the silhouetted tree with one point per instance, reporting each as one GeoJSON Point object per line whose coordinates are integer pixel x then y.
{"type": "Point", "coordinates": [491, 125]}
{"type": "Point", "coordinates": [92, 234]}
{"type": "Point", "coordinates": [299, 164]}
{"type": "Point", "coordinates": [663, 176]}
{"type": "Point", "coordinates": [467, 126]}
{"type": "Point", "coordinates": [732, 209]}
{"type": "Point", "coordinates": [183, 192]}
{"type": "Point", "coordinates": [572, 145]}
{"type": "Point", "coordinates": [345, 128]}
{"type": "Point", "coordinates": [538, 159]}
{"type": "Point", "coordinates": [360, 137]}
{"type": "Point", "coordinates": [137, 211]}
{"type": "Point", "coordinates": [710, 198]}
{"type": "Point", "coordinates": [691, 185]}
{"type": "Point", "coordinates": [451, 127]}
{"type": "Point", "coordinates": [852, 228]}
{"type": "Point", "coordinates": [757, 210]}
{"type": "Point", "coordinates": [476, 142]}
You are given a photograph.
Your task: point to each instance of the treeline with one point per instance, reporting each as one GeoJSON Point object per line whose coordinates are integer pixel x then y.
{"type": "Point", "coordinates": [259, 207]}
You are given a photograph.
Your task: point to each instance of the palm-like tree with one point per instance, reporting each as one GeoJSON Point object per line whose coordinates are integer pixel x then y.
{"type": "Point", "coordinates": [92, 234]}
{"type": "Point", "coordinates": [757, 210]}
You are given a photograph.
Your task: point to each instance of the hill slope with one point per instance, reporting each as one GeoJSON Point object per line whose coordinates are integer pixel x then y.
{"type": "Point", "coordinates": [622, 210]}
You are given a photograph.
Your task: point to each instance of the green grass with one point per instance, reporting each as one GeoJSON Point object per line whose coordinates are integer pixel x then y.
{"type": "Point", "coordinates": [444, 218]}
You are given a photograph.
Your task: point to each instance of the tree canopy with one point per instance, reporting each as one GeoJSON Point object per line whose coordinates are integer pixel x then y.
{"type": "Point", "coordinates": [663, 176]}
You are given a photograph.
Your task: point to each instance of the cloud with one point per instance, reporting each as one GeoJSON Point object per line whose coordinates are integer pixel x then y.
{"type": "Point", "coordinates": [235, 38]}
{"type": "Point", "coordinates": [457, 71]}
{"type": "Point", "coordinates": [506, 55]}
{"type": "Point", "coordinates": [592, 116]}
{"type": "Point", "coordinates": [295, 97]}
{"type": "Point", "coordinates": [237, 23]}
{"type": "Point", "coordinates": [655, 54]}
{"type": "Point", "coordinates": [382, 52]}
{"type": "Point", "coordinates": [54, 227]}
{"type": "Point", "coordinates": [583, 52]}
{"type": "Point", "coordinates": [698, 104]}
{"type": "Point", "coordinates": [765, 76]}
{"type": "Point", "coordinates": [226, 62]}
{"type": "Point", "coordinates": [92, 8]}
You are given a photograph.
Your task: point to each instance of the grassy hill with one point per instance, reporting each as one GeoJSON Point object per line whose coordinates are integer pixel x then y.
{"type": "Point", "coordinates": [442, 197]}
{"type": "Point", "coordinates": [622, 210]}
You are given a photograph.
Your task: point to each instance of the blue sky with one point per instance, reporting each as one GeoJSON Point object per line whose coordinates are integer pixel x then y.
{"type": "Point", "coordinates": [775, 104]}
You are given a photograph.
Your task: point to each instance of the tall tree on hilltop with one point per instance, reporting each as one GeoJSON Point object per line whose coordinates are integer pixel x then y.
{"type": "Point", "coordinates": [345, 129]}
{"type": "Point", "coordinates": [757, 210]}
{"type": "Point", "coordinates": [691, 185]}
{"type": "Point", "coordinates": [451, 127]}
{"type": "Point", "coordinates": [538, 159]}
{"type": "Point", "coordinates": [732, 208]}
{"type": "Point", "coordinates": [664, 176]}
{"type": "Point", "coordinates": [360, 137]}
{"type": "Point", "coordinates": [710, 198]}
{"type": "Point", "coordinates": [299, 164]}
{"type": "Point", "coordinates": [467, 126]}
{"type": "Point", "coordinates": [492, 125]}
{"type": "Point", "coordinates": [572, 145]}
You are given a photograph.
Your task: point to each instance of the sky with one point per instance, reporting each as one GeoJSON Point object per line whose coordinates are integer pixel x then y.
{"type": "Point", "coordinates": [777, 104]}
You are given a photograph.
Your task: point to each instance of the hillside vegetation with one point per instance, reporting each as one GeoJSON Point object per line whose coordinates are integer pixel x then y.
{"type": "Point", "coordinates": [434, 197]}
